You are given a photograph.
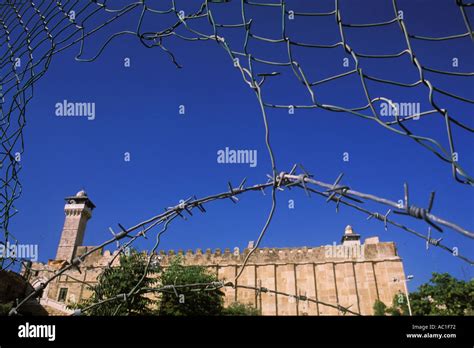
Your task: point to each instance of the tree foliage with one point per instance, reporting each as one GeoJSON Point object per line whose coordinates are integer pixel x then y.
{"type": "Point", "coordinates": [399, 306]}
{"type": "Point", "coordinates": [444, 295]}
{"type": "Point", "coordinates": [240, 309]}
{"type": "Point", "coordinates": [121, 280]}
{"type": "Point", "coordinates": [5, 308]}
{"type": "Point", "coordinates": [185, 301]}
{"type": "Point", "coordinates": [180, 301]}
{"type": "Point", "coordinates": [379, 307]}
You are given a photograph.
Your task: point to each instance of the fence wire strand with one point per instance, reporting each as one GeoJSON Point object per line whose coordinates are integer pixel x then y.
{"type": "Point", "coordinates": [33, 32]}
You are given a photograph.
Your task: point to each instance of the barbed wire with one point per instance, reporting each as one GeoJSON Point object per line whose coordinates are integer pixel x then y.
{"type": "Point", "coordinates": [178, 289]}
{"type": "Point", "coordinates": [335, 192]}
{"type": "Point", "coordinates": [31, 30]}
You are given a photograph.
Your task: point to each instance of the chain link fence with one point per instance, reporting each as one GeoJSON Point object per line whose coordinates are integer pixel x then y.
{"type": "Point", "coordinates": [34, 32]}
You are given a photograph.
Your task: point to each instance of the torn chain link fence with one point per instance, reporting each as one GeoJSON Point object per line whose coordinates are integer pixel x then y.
{"type": "Point", "coordinates": [32, 33]}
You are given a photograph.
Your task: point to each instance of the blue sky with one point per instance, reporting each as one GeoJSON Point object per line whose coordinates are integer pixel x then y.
{"type": "Point", "coordinates": [173, 156]}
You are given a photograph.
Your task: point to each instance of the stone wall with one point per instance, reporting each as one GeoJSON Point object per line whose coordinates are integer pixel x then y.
{"type": "Point", "coordinates": [320, 273]}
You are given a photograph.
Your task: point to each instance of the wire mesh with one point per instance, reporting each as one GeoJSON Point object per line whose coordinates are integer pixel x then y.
{"type": "Point", "coordinates": [34, 32]}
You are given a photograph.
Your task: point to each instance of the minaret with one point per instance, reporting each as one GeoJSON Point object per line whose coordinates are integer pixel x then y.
{"type": "Point", "coordinates": [78, 210]}
{"type": "Point", "coordinates": [349, 237]}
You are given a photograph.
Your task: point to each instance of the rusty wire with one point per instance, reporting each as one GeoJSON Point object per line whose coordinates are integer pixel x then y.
{"type": "Point", "coordinates": [46, 28]}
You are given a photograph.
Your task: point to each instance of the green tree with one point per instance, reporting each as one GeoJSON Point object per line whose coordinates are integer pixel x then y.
{"type": "Point", "coordinates": [379, 307]}
{"type": "Point", "coordinates": [185, 301]}
{"type": "Point", "coordinates": [5, 308]}
{"type": "Point", "coordinates": [240, 309]}
{"type": "Point", "coordinates": [399, 305]}
{"type": "Point", "coordinates": [121, 280]}
{"type": "Point", "coordinates": [443, 295]}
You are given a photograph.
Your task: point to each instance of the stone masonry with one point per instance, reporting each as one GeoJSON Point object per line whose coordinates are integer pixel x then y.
{"type": "Point", "coordinates": [350, 274]}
